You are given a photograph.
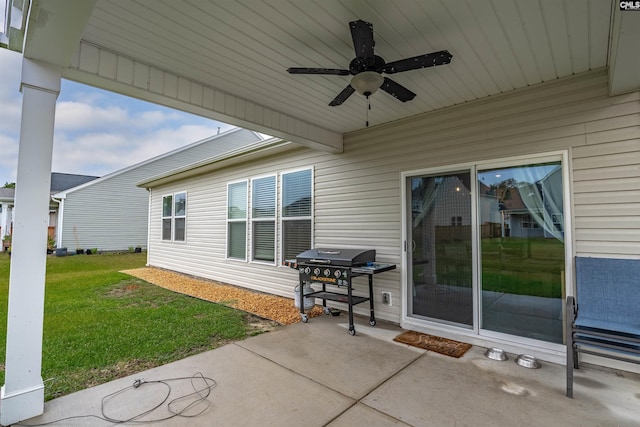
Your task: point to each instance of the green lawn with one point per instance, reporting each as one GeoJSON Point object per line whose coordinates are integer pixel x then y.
{"type": "Point", "coordinates": [101, 324]}
{"type": "Point", "coordinates": [523, 266]}
{"type": "Point", "coordinates": [511, 265]}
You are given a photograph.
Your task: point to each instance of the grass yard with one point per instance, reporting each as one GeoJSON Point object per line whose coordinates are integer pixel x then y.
{"type": "Point", "coordinates": [101, 324]}
{"type": "Point", "coordinates": [533, 266]}
{"type": "Point", "coordinates": [523, 266]}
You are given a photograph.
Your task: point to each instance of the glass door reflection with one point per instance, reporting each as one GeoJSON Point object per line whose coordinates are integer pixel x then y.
{"type": "Point", "coordinates": [522, 250]}
{"type": "Point", "coordinates": [441, 275]}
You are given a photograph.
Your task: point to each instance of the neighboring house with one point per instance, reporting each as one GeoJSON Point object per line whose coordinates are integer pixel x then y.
{"type": "Point", "coordinates": [236, 220]}
{"type": "Point", "coordinates": [59, 182]}
{"type": "Point", "coordinates": [111, 213]}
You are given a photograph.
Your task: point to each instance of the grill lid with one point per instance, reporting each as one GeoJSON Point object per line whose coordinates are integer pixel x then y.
{"type": "Point", "coordinates": [339, 257]}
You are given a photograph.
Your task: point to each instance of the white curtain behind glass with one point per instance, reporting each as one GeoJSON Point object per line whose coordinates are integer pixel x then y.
{"type": "Point", "coordinates": [540, 189]}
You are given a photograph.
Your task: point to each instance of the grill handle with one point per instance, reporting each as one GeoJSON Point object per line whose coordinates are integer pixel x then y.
{"type": "Point", "coordinates": [320, 261]}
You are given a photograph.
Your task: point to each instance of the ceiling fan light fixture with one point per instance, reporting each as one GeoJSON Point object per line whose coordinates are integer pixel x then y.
{"type": "Point", "coordinates": [367, 83]}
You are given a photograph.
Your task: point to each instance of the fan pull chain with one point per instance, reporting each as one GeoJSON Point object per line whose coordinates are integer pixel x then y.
{"type": "Point", "coordinates": [368, 108]}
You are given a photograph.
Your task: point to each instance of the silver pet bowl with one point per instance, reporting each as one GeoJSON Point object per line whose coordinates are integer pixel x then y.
{"type": "Point", "coordinates": [527, 361]}
{"type": "Point", "coordinates": [496, 354]}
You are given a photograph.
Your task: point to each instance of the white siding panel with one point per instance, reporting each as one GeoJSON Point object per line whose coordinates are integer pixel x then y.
{"type": "Point", "coordinates": [184, 89]}
{"type": "Point", "coordinates": [358, 193]}
{"type": "Point", "coordinates": [606, 183]}
{"type": "Point", "coordinates": [622, 184]}
{"type": "Point", "coordinates": [611, 249]}
{"type": "Point", "coordinates": [612, 197]}
{"type": "Point", "coordinates": [141, 76]}
{"type": "Point", "coordinates": [606, 210]}
{"type": "Point", "coordinates": [608, 235]}
{"type": "Point", "coordinates": [108, 65]}
{"type": "Point", "coordinates": [613, 135]}
{"type": "Point", "coordinates": [89, 59]}
{"type": "Point", "coordinates": [156, 80]}
{"type": "Point", "coordinates": [170, 87]}
{"type": "Point", "coordinates": [602, 222]}
{"type": "Point", "coordinates": [629, 146]}
{"type": "Point", "coordinates": [125, 73]}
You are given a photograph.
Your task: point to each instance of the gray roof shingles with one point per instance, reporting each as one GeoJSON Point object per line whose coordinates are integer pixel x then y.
{"type": "Point", "coordinates": [64, 181]}
{"type": "Point", "coordinates": [59, 182]}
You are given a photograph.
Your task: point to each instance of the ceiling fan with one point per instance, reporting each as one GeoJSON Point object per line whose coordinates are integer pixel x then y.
{"type": "Point", "coordinates": [367, 68]}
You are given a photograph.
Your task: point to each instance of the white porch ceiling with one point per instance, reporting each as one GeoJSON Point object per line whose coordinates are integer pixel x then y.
{"type": "Point", "coordinates": [240, 50]}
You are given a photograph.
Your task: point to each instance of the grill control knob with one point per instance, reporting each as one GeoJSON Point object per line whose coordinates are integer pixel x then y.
{"type": "Point", "coordinates": [316, 271]}
{"type": "Point", "coordinates": [307, 270]}
{"type": "Point", "coordinates": [327, 272]}
{"type": "Point", "coordinates": [337, 273]}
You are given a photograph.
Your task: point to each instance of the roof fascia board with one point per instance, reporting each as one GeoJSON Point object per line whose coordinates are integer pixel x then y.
{"type": "Point", "coordinates": [99, 67]}
{"type": "Point", "coordinates": [624, 60]}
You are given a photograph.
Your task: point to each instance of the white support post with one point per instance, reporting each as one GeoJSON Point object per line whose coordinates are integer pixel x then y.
{"type": "Point", "coordinates": [22, 395]}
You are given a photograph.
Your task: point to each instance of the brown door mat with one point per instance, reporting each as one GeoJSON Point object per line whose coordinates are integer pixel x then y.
{"type": "Point", "coordinates": [432, 343]}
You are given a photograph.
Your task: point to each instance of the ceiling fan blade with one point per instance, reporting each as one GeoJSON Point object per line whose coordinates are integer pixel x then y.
{"type": "Point", "coordinates": [335, 71]}
{"type": "Point", "coordinates": [420, 61]}
{"type": "Point", "coordinates": [342, 96]}
{"type": "Point", "coordinates": [397, 90]}
{"type": "Point", "coordinates": [362, 35]}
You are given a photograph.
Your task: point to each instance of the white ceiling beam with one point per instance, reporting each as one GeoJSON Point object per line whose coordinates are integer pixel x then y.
{"type": "Point", "coordinates": [95, 66]}
{"type": "Point", "coordinates": [624, 60]}
{"type": "Point", "coordinates": [54, 29]}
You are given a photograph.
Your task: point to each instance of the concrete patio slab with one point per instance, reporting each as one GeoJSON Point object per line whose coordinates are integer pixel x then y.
{"type": "Point", "coordinates": [362, 415]}
{"type": "Point", "coordinates": [475, 391]}
{"type": "Point", "coordinates": [250, 390]}
{"type": "Point", "coordinates": [351, 365]}
{"type": "Point", "coordinates": [316, 374]}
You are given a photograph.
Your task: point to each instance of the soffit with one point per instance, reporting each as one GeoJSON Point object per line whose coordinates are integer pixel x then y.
{"type": "Point", "coordinates": [244, 47]}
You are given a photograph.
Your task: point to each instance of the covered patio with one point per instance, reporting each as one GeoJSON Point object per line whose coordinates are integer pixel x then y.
{"type": "Point", "coordinates": [316, 374]}
{"type": "Point", "coordinates": [228, 61]}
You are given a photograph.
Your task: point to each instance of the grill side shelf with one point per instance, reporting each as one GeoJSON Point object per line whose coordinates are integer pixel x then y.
{"type": "Point", "coordinates": [373, 268]}
{"type": "Point", "coordinates": [335, 296]}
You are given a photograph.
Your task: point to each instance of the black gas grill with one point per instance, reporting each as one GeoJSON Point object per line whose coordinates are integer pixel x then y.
{"type": "Point", "coordinates": [336, 268]}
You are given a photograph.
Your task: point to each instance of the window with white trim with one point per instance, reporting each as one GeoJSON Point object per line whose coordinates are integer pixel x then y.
{"type": "Point", "coordinates": [237, 220]}
{"type": "Point", "coordinates": [296, 212]}
{"type": "Point", "coordinates": [263, 219]}
{"type": "Point", "coordinates": [174, 217]}
{"type": "Point", "coordinates": [295, 216]}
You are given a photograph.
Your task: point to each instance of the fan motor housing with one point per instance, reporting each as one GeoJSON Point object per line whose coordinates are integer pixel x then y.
{"type": "Point", "coordinates": [358, 65]}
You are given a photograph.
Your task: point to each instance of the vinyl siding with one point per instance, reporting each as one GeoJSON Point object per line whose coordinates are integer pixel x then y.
{"type": "Point", "coordinates": [358, 193]}
{"type": "Point", "coordinates": [111, 213]}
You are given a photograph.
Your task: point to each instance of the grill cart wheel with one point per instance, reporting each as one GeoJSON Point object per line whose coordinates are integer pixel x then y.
{"type": "Point", "coordinates": [327, 310]}
{"type": "Point", "coordinates": [352, 331]}
{"type": "Point", "coordinates": [372, 322]}
{"type": "Point", "coordinates": [305, 318]}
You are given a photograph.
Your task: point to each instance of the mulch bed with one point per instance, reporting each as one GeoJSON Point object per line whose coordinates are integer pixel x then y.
{"type": "Point", "coordinates": [276, 308]}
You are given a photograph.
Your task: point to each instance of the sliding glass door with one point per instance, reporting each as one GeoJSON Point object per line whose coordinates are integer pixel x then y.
{"type": "Point", "coordinates": [441, 274]}
{"type": "Point", "coordinates": [522, 250]}
{"type": "Point", "coordinates": [490, 238]}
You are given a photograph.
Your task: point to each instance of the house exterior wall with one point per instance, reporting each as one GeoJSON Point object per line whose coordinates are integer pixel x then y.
{"type": "Point", "coordinates": [111, 213]}
{"type": "Point", "coordinates": [357, 194]}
